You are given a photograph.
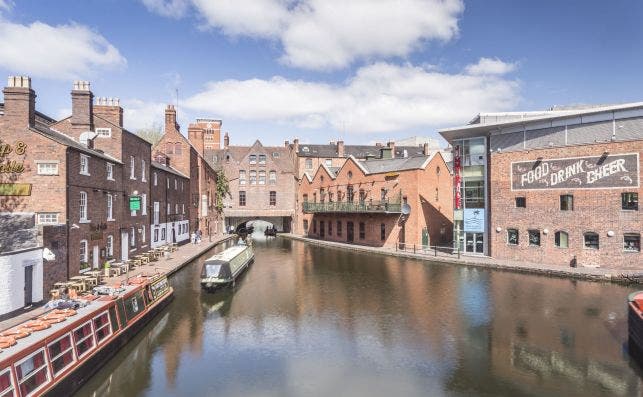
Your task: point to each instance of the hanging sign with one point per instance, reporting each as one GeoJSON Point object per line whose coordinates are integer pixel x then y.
{"type": "Point", "coordinates": [594, 172]}
{"type": "Point", "coordinates": [457, 170]}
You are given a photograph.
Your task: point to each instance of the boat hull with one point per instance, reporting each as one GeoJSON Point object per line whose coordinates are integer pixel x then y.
{"type": "Point", "coordinates": [635, 324]}
{"type": "Point", "coordinates": [74, 380]}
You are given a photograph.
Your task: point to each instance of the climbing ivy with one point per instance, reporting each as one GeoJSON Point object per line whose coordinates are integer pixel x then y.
{"type": "Point", "coordinates": [223, 190]}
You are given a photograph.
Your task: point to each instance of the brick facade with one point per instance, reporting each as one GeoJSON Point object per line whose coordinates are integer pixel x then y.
{"type": "Point", "coordinates": [426, 188]}
{"type": "Point", "coordinates": [169, 205]}
{"type": "Point", "coordinates": [595, 210]}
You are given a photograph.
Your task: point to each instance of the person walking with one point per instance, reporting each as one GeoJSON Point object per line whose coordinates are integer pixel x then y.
{"type": "Point", "coordinates": [193, 238]}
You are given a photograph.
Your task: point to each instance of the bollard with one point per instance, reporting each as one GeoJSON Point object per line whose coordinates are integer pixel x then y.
{"type": "Point", "coordinates": [458, 251]}
{"type": "Point", "coordinates": [414, 248]}
{"type": "Point", "coordinates": [436, 250]}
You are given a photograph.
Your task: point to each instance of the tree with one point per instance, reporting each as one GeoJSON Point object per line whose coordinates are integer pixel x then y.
{"type": "Point", "coordinates": [223, 190]}
{"type": "Point", "coordinates": [152, 134]}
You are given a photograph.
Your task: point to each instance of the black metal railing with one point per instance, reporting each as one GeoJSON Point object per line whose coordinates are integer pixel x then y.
{"type": "Point", "coordinates": [367, 206]}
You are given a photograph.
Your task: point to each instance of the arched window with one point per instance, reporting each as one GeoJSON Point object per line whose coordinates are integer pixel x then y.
{"type": "Point", "coordinates": [561, 239]}
{"type": "Point", "coordinates": [591, 240]}
{"type": "Point", "coordinates": [83, 206]}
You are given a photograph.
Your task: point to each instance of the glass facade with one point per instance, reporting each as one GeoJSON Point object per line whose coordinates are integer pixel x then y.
{"type": "Point", "coordinates": [470, 195]}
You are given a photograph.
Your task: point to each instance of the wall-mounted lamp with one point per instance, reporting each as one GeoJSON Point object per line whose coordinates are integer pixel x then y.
{"type": "Point", "coordinates": [610, 233]}
{"type": "Point", "coordinates": [498, 229]}
{"type": "Point", "coordinates": [545, 231]}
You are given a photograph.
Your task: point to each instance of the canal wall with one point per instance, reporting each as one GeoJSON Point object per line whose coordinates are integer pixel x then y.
{"type": "Point", "coordinates": [622, 276]}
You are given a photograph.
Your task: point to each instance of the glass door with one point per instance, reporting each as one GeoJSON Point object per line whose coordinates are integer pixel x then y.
{"type": "Point", "coordinates": [474, 243]}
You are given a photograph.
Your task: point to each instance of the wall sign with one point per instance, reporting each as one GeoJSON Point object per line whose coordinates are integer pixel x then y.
{"type": "Point", "coordinates": [473, 220]}
{"type": "Point", "coordinates": [457, 177]}
{"type": "Point", "coordinates": [594, 172]}
{"type": "Point", "coordinates": [15, 189]}
{"type": "Point", "coordinates": [134, 203]}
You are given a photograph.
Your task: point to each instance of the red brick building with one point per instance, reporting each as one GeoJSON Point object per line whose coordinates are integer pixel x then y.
{"type": "Point", "coordinates": [102, 124]}
{"type": "Point", "coordinates": [558, 187]}
{"type": "Point", "coordinates": [187, 158]}
{"type": "Point", "coordinates": [71, 190]}
{"type": "Point", "coordinates": [363, 202]}
{"type": "Point", "coordinates": [170, 205]}
{"type": "Point", "coordinates": [263, 183]}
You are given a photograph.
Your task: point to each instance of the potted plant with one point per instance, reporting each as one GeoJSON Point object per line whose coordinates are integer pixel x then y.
{"type": "Point", "coordinates": [106, 266]}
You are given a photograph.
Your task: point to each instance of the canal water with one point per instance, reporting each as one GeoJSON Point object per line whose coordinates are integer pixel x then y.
{"type": "Point", "coordinates": [307, 320]}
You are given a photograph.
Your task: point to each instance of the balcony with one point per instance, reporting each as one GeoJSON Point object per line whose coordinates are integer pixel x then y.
{"type": "Point", "coordinates": [371, 207]}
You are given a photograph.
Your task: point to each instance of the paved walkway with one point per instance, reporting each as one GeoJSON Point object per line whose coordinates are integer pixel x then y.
{"type": "Point", "coordinates": [178, 259]}
{"type": "Point", "coordinates": [587, 273]}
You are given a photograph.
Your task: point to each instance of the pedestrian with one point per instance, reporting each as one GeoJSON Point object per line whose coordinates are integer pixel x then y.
{"type": "Point", "coordinates": [193, 238]}
{"type": "Point", "coordinates": [198, 236]}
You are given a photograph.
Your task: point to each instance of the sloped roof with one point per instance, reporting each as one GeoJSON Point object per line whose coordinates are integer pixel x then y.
{"type": "Point", "coordinates": [67, 141]}
{"type": "Point", "coordinates": [17, 231]}
{"type": "Point", "coordinates": [394, 165]}
{"type": "Point", "coordinates": [283, 160]}
{"type": "Point", "coordinates": [165, 168]}
{"type": "Point", "coordinates": [358, 151]}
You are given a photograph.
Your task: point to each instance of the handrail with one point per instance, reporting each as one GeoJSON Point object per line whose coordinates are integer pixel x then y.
{"type": "Point", "coordinates": [359, 206]}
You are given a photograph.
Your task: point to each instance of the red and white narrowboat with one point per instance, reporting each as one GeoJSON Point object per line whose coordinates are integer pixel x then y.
{"type": "Point", "coordinates": [635, 322]}
{"type": "Point", "coordinates": [55, 353]}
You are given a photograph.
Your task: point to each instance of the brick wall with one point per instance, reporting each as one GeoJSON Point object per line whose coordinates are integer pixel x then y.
{"type": "Point", "coordinates": [54, 238]}
{"type": "Point", "coordinates": [595, 210]}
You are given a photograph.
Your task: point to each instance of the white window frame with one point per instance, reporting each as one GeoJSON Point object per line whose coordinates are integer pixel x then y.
{"type": "Point", "coordinates": [110, 171]}
{"type": "Point", "coordinates": [108, 325]}
{"type": "Point", "coordinates": [109, 246]}
{"type": "Point", "coordinates": [183, 208]}
{"type": "Point", "coordinates": [176, 184]}
{"type": "Point", "coordinates": [83, 208]}
{"type": "Point", "coordinates": [143, 171]}
{"type": "Point", "coordinates": [12, 386]}
{"type": "Point", "coordinates": [103, 132]}
{"type": "Point", "coordinates": [84, 165]}
{"type": "Point", "coordinates": [157, 212]}
{"type": "Point", "coordinates": [176, 208]}
{"type": "Point", "coordinates": [35, 370]}
{"type": "Point", "coordinates": [168, 208]}
{"type": "Point", "coordinates": [132, 238]}
{"type": "Point", "coordinates": [110, 207]}
{"type": "Point", "coordinates": [71, 347]}
{"type": "Point", "coordinates": [168, 182]}
{"type": "Point", "coordinates": [91, 335]}
{"type": "Point", "coordinates": [84, 257]}
{"type": "Point", "coordinates": [155, 177]}
{"type": "Point", "coordinates": [156, 234]}
{"type": "Point", "coordinates": [143, 234]}
{"type": "Point", "coordinates": [132, 168]}
{"type": "Point", "coordinates": [51, 165]}
{"type": "Point", "coordinates": [144, 204]}
{"type": "Point", "coordinates": [51, 222]}
{"type": "Point", "coordinates": [242, 177]}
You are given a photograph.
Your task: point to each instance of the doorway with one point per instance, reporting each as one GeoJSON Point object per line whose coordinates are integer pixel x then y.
{"type": "Point", "coordinates": [322, 229]}
{"type": "Point", "coordinates": [28, 285]}
{"type": "Point", "coordinates": [350, 236]}
{"type": "Point", "coordinates": [95, 257]}
{"type": "Point", "coordinates": [474, 243]}
{"type": "Point", "coordinates": [124, 246]}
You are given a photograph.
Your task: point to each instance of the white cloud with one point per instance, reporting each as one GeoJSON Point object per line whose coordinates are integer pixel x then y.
{"type": "Point", "coordinates": [332, 34]}
{"type": "Point", "coordinates": [57, 52]}
{"type": "Point", "coordinates": [381, 97]}
{"type": "Point", "coordinates": [6, 5]}
{"type": "Point", "coordinates": [141, 114]}
{"type": "Point", "coordinates": [167, 8]}
{"type": "Point", "coordinates": [490, 66]}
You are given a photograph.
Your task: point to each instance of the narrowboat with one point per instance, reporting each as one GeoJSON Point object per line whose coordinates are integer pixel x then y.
{"type": "Point", "coordinates": [635, 322]}
{"type": "Point", "coordinates": [224, 267]}
{"type": "Point", "coordinates": [55, 353]}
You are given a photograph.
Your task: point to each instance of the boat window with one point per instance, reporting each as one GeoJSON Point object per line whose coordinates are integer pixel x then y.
{"type": "Point", "coordinates": [211, 270]}
{"type": "Point", "coordinates": [112, 318]}
{"type": "Point", "coordinates": [134, 305]}
{"type": "Point", "coordinates": [32, 373]}
{"type": "Point", "coordinates": [159, 288]}
{"type": "Point", "coordinates": [101, 325]}
{"type": "Point", "coordinates": [61, 353]}
{"type": "Point", "coordinates": [6, 383]}
{"type": "Point", "coordinates": [120, 304]}
{"type": "Point", "coordinates": [83, 338]}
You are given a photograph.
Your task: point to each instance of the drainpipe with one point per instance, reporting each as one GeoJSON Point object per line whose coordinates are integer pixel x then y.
{"type": "Point", "coordinates": [67, 208]}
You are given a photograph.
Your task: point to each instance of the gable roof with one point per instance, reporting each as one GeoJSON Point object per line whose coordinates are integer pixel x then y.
{"type": "Point", "coordinates": [166, 168]}
{"type": "Point", "coordinates": [283, 161]}
{"type": "Point", "coordinates": [394, 165]}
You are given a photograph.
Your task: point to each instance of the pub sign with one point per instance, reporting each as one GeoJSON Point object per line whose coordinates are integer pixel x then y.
{"type": "Point", "coordinates": [593, 172]}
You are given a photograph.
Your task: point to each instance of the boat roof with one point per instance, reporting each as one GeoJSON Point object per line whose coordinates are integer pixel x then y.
{"type": "Point", "coordinates": [228, 254]}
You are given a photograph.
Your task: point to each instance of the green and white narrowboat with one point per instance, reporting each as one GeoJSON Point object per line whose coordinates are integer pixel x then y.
{"type": "Point", "coordinates": [224, 267]}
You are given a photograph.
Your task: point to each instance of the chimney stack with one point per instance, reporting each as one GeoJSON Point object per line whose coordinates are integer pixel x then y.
{"type": "Point", "coordinates": [170, 119]}
{"type": "Point", "coordinates": [340, 148]}
{"type": "Point", "coordinates": [391, 144]}
{"type": "Point", "coordinates": [109, 109]}
{"type": "Point", "coordinates": [425, 149]}
{"type": "Point", "coordinates": [226, 141]}
{"type": "Point", "coordinates": [295, 144]}
{"type": "Point", "coordinates": [19, 103]}
{"type": "Point", "coordinates": [82, 101]}
{"type": "Point", "coordinates": [286, 143]}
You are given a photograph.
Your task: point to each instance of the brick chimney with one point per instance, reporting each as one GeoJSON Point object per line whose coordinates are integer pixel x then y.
{"type": "Point", "coordinates": [110, 109]}
{"type": "Point", "coordinates": [170, 119]}
{"type": "Point", "coordinates": [82, 101]}
{"type": "Point", "coordinates": [340, 148]}
{"type": "Point", "coordinates": [226, 141]}
{"type": "Point", "coordinates": [425, 149]}
{"type": "Point", "coordinates": [19, 103]}
{"type": "Point", "coordinates": [391, 145]}
{"type": "Point", "coordinates": [295, 145]}
{"type": "Point", "coordinates": [286, 143]}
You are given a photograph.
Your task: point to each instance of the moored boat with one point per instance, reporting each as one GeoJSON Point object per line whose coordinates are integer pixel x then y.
{"type": "Point", "coordinates": [55, 353]}
{"type": "Point", "coordinates": [224, 267]}
{"type": "Point", "coordinates": [635, 322]}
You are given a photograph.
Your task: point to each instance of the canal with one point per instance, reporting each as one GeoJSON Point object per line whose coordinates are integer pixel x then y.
{"type": "Point", "coordinates": [313, 321]}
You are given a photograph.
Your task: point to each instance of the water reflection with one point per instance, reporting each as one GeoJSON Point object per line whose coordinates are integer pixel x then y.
{"type": "Point", "coordinates": [306, 320]}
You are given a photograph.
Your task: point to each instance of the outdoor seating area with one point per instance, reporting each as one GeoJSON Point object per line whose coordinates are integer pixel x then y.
{"type": "Point", "coordinates": [85, 282]}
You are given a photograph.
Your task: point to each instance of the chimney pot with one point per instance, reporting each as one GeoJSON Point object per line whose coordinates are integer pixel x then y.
{"type": "Point", "coordinates": [19, 101]}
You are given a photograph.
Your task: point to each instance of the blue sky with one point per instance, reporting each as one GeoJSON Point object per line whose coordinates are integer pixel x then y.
{"type": "Point", "coordinates": [360, 70]}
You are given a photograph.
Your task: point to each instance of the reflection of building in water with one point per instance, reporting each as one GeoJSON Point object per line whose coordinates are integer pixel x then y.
{"type": "Point", "coordinates": [560, 342]}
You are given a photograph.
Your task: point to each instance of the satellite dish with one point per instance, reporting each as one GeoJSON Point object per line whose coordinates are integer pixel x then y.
{"type": "Point", "coordinates": [406, 209]}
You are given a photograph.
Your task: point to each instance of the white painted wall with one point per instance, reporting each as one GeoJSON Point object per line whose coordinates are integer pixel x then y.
{"type": "Point", "coordinates": [168, 233]}
{"type": "Point", "coordinates": [12, 279]}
